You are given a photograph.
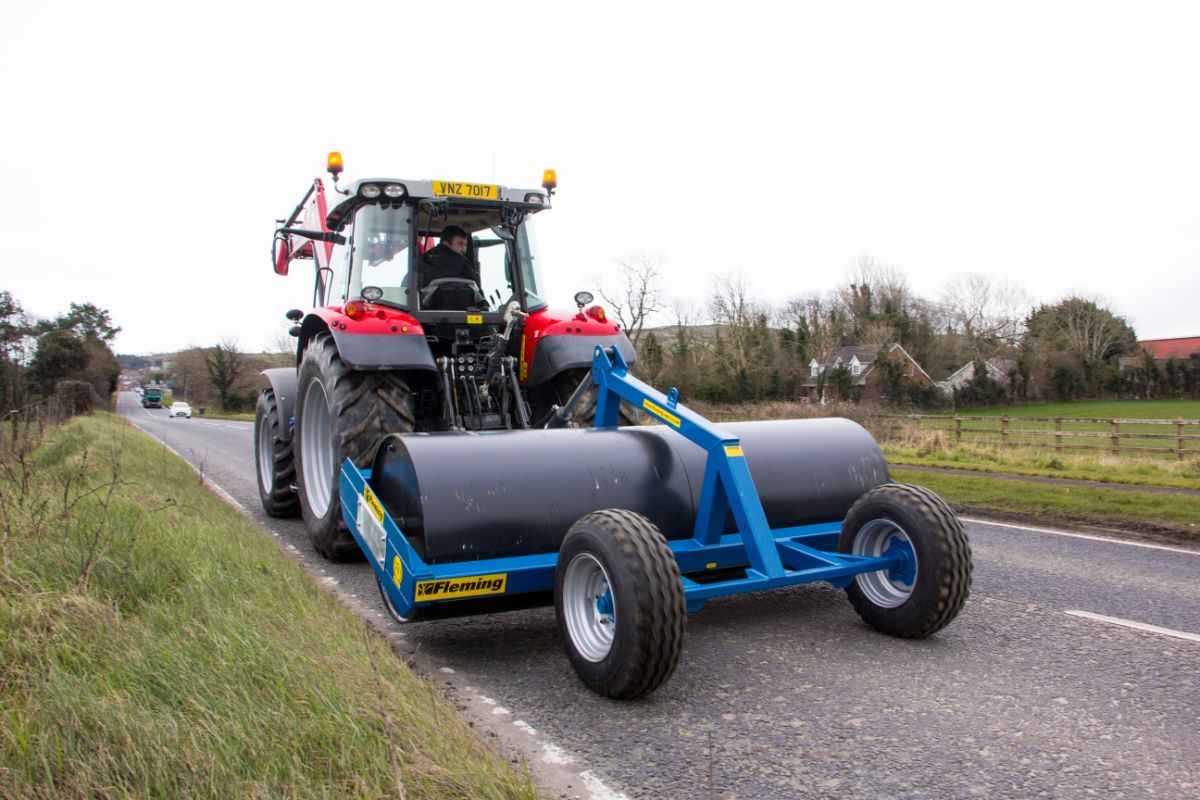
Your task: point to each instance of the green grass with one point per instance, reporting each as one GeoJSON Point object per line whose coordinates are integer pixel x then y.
{"type": "Point", "coordinates": [1106, 507]}
{"type": "Point", "coordinates": [936, 451]}
{"type": "Point", "coordinates": [1162, 441]}
{"type": "Point", "coordinates": [154, 643]}
{"type": "Point", "coordinates": [1092, 409]}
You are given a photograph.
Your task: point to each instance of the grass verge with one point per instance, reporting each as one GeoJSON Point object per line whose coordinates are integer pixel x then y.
{"type": "Point", "coordinates": [154, 643]}
{"type": "Point", "coordinates": [1178, 515]}
{"type": "Point", "coordinates": [933, 450]}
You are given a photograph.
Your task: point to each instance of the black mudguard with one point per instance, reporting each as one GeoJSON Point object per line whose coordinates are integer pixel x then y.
{"type": "Point", "coordinates": [380, 351]}
{"type": "Point", "coordinates": [283, 383]}
{"type": "Point", "coordinates": [555, 354]}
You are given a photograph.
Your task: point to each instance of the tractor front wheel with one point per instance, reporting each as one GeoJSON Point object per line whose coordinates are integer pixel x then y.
{"type": "Point", "coordinates": [619, 600]}
{"type": "Point", "coordinates": [928, 586]}
{"type": "Point", "coordinates": [340, 413]}
{"type": "Point", "coordinates": [274, 458]}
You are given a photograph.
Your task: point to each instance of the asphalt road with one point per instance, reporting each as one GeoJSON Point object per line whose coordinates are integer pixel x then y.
{"type": "Point", "coordinates": [786, 694]}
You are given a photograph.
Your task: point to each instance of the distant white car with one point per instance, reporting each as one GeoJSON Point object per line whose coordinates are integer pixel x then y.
{"type": "Point", "coordinates": [180, 409]}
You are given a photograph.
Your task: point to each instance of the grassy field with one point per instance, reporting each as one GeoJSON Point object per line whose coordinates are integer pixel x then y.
{"type": "Point", "coordinates": [1092, 409]}
{"type": "Point", "coordinates": [935, 450]}
{"type": "Point", "coordinates": [1032, 425]}
{"type": "Point", "coordinates": [154, 643]}
{"type": "Point", "coordinates": [1178, 515]}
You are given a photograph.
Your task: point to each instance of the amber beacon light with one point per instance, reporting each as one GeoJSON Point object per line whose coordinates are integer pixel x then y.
{"type": "Point", "coordinates": [334, 164]}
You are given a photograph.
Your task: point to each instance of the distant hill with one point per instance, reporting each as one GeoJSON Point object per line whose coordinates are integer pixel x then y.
{"type": "Point", "coordinates": [133, 362]}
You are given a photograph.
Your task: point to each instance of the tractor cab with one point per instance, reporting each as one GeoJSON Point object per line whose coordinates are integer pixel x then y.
{"type": "Point", "coordinates": [386, 234]}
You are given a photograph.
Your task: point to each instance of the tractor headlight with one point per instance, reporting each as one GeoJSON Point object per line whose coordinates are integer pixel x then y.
{"type": "Point", "coordinates": [369, 191]}
{"type": "Point", "coordinates": [394, 190]}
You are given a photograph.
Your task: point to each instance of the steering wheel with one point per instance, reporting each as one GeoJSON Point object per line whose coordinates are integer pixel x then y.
{"type": "Point", "coordinates": [442, 283]}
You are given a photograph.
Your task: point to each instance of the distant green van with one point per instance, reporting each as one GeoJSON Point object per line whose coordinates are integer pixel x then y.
{"type": "Point", "coordinates": [152, 397]}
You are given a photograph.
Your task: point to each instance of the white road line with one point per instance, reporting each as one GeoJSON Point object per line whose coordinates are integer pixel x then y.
{"type": "Point", "coordinates": [1108, 539]}
{"type": "Point", "coordinates": [1140, 626]}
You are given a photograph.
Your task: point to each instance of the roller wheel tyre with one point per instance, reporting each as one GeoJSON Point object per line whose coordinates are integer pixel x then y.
{"type": "Point", "coordinates": [274, 459]}
{"type": "Point", "coordinates": [926, 593]}
{"type": "Point", "coordinates": [340, 414]}
{"type": "Point", "coordinates": [619, 600]}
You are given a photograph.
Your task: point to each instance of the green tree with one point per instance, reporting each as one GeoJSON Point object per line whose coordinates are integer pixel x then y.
{"type": "Point", "coordinates": [224, 365]}
{"type": "Point", "coordinates": [1078, 341]}
{"type": "Point", "coordinates": [60, 356]}
{"type": "Point", "coordinates": [16, 330]}
{"type": "Point", "coordinates": [87, 321]}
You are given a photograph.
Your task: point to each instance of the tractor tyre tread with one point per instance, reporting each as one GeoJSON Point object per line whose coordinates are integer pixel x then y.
{"type": "Point", "coordinates": [643, 570]}
{"type": "Point", "coordinates": [943, 558]}
{"type": "Point", "coordinates": [584, 413]}
{"type": "Point", "coordinates": [364, 408]}
{"type": "Point", "coordinates": [279, 500]}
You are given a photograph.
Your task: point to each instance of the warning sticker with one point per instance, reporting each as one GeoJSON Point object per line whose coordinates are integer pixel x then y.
{"type": "Point", "coordinates": [474, 319]}
{"type": "Point", "coordinates": [733, 450]}
{"type": "Point", "coordinates": [661, 413]}
{"type": "Point", "coordinates": [454, 588]}
{"type": "Point", "coordinates": [397, 570]}
{"type": "Point", "coordinates": [373, 503]}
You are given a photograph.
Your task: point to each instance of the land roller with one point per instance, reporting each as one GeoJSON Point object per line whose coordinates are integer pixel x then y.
{"type": "Point", "coordinates": [632, 528]}
{"type": "Point", "coordinates": [482, 451]}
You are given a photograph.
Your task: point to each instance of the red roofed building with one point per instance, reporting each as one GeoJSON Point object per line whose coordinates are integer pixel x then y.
{"type": "Point", "coordinates": [1166, 349]}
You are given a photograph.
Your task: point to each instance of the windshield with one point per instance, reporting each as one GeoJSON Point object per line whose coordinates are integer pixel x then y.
{"type": "Point", "coordinates": [381, 247]}
{"type": "Point", "coordinates": [488, 260]}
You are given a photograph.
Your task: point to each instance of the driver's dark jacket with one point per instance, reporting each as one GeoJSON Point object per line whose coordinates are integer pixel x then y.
{"type": "Point", "coordinates": [443, 262]}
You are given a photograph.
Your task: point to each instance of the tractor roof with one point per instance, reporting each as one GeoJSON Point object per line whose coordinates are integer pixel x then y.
{"type": "Point", "coordinates": [456, 192]}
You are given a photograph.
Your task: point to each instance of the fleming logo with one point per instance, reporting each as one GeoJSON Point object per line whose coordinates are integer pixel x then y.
{"type": "Point", "coordinates": [448, 588]}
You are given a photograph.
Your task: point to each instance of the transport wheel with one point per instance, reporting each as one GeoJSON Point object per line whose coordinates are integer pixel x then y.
{"type": "Point", "coordinates": [412, 616]}
{"type": "Point", "coordinates": [274, 459]}
{"type": "Point", "coordinates": [562, 386]}
{"type": "Point", "coordinates": [926, 592]}
{"type": "Point", "coordinates": [340, 413]}
{"type": "Point", "coordinates": [619, 600]}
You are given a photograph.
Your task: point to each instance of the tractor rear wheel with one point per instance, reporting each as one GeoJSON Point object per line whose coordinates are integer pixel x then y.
{"type": "Point", "coordinates": [619, 600]}
{"type": "Point", "coordinates": [926, 592]}
{"type": "Point", "coordinates": [274, 458]}
{"type": "Point", "coordinates": [563, 385]}
{"type": "Point", "coordinates": [340, 413]}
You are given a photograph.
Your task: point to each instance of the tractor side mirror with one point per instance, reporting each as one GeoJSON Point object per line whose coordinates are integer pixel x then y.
{"type": "Point", "coordinates": [281, 253]}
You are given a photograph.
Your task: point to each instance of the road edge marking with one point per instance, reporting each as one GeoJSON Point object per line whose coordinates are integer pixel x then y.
{"type": "Point", "coordinates": [1056, 532]}
{"type": "Point", "coordinates": [1137, 626]}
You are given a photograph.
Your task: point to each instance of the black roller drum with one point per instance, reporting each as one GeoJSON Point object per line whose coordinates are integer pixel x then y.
{"type": "Point", "coordinates": [467, 496]}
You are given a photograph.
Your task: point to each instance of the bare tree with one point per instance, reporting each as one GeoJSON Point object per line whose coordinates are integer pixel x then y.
{"type": "Point", "coordinates": [634, 295]}
{"type": "Point", "coordinates": [988, 311]}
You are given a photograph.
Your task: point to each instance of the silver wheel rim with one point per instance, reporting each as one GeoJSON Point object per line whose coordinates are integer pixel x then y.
{"type": "Point", "coordinates": [587, 598]}
{"type": "Point", "coordinates": [874, 539]}
{"type": "Point", "coordinates": [316, 448]}
{"type": "Point", "coordinates": [266, 453]}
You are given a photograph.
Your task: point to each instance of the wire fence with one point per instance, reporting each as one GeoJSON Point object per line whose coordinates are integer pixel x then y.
{"type": "Point", "coordinates": [1151, 437]}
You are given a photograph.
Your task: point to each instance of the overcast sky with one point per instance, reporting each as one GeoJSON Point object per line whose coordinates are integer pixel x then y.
{"type": "Point", "coordinates": [151, 146]}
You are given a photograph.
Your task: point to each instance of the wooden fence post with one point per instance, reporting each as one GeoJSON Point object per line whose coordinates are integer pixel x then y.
{"type": "Point", "coordinates": [1179, 433]}
{"type": "Point", "coordinates": [1004, 431]}
{"type": "Point", "coordinates": [958, 431]}
{"type": "Point", "coordinates": [1116, 437]}
{"type": "Point", "coordinates": [1058, 434]}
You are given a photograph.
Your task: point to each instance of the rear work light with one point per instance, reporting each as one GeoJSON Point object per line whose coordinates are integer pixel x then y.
{"type": "Point", "coordinates": [597, 313]}
{"type": "Point", "coordinates": [369, 191]}
{"type": "Point", "coordinates": [394, 190]}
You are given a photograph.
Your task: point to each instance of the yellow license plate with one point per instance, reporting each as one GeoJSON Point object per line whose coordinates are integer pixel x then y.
{"type": "Point", "coordinates": [475, 191]}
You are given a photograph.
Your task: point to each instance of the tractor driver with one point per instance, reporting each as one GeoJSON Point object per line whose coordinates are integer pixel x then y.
{"type": "Point", "coordinates": [448, 259]}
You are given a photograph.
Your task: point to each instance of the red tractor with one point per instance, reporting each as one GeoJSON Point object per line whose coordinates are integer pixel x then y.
{"type": "Point", "coordinates": [392, 345]}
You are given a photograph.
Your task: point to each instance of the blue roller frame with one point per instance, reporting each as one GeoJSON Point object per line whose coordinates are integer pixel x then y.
{"type": "Point", "coordinates": [770, 558]}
